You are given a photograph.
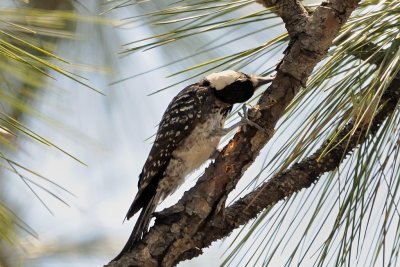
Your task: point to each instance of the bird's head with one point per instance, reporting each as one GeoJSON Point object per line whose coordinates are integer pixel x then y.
{"type": "Point", "coordinates": [234, 87]}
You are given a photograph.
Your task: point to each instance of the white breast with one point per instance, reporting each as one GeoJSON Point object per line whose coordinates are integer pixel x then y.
{"type": "Point", "coordinates": [200, 144]}
{"type": "Point", "coordinates": [195, 150]}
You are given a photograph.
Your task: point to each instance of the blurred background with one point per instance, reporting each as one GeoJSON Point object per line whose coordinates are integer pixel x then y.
{"type": "Point", "coordinates": [83, 85]}
{"type": "Point", "coordinates": [69, 197]}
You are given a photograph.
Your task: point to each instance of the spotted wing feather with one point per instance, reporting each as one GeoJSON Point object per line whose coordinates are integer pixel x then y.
{"type": "Point", "coordinates": [184, 112]}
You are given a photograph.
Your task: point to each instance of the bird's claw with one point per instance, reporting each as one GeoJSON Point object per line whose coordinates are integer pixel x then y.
{"type": "Point", "coordinates": [246, 121]}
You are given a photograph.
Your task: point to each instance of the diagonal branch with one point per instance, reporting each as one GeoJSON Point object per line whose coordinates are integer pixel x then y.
{"type": "Point", "coordinates": [299, 176]}
{"type": "Point", "coordinates": [172, 235]}
{"type": "Point", "coordinates": [292, 12]}
{"type": "Point", "coordinates": [305, 173]}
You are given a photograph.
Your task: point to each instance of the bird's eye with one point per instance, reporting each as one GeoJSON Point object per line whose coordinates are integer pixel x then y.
{"type": "Point", "coordinates": [205, 82]}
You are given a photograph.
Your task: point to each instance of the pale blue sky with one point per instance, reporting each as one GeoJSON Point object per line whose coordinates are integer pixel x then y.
{"type": "Point", "coordinates": [108, 133]}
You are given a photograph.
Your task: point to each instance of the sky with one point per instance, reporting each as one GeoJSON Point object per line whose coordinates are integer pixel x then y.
{"type": "Point", "coordinates": [111, 134]}
{"type": "Point", "coordinates": [108, 133]}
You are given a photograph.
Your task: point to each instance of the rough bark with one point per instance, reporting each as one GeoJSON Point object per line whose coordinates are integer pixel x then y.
{"type": "Point", "coordinates": [300, 175]}
{"type": "Point", "coordinates": [178, 231]}
{"type": "Point", "coordinates": [303, 174]}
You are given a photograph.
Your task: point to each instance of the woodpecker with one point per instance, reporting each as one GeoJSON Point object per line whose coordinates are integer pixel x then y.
{"type": "Point", "coordinates": [188, 134]}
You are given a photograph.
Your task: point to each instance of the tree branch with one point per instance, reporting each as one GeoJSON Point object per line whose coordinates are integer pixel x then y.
{"type": "Point", "coordinates": [171, 238]}
{"type": "Point", "coordinates": [308, 171]}
{"type": "Point", "coordinates": [299, 176]}
{"type": "Point", "coordinates": [292, 12]}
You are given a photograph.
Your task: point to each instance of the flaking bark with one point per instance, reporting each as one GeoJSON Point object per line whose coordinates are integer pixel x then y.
{"type": "Point", "coordinates": [301, 175]}
{"type": "Point", "coordinates": [179, 231]}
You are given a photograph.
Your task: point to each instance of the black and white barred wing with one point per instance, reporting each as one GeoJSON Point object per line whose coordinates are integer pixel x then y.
{"type": "Point", "coordinates": [184, 112]}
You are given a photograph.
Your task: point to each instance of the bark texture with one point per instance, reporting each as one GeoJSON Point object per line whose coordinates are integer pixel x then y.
{"type": "Point", "coordinates": [301, 175]}
{"type": "Point", "coordinates": [181, 231]}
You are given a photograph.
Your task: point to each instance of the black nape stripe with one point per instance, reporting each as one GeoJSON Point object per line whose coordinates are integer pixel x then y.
{"type": "Point", "coordinates": [237, 92]}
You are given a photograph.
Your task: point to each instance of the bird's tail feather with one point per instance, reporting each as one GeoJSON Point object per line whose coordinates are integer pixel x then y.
{"type": "Point", "coordinates": [141, 226]}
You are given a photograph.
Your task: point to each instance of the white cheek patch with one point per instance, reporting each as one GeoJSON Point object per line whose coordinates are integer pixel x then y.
{"type": "Point", "coordinates": [220, 80]}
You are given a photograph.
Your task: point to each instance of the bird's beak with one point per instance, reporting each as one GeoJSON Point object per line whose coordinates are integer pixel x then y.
{"type": "Point", "coordinates": [259, 80]}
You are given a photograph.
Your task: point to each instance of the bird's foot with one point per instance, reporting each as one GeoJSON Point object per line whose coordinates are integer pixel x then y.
{"type": "Point", "coordinates": [246, 121]}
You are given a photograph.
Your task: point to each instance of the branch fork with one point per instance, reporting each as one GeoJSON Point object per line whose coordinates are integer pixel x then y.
{"type": "Point", "coordinates": [181, 231]}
